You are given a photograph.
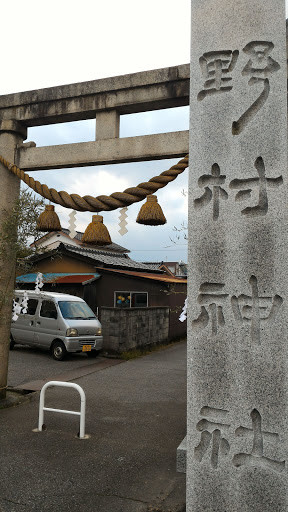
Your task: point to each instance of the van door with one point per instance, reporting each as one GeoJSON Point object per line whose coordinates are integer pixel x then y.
{"type": "Point", "coordinates": [23, 330]}
{"type": "Point", "coordinates": [46, 329]}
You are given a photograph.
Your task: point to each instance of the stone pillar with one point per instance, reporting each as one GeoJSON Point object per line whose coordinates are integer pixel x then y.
{"type": "Point", "coordinates": [11, 133]}
{"type": "Point", "coordinates": [237, 436]}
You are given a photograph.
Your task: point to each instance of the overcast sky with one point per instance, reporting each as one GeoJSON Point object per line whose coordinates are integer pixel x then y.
{"type": "Point", "coordinates": [66, 41]}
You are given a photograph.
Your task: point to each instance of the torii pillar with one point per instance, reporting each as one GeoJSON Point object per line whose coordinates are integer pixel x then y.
{"type": "Point", "coordinates": [237, 436]}
{"type": "Point", "coordinates": [12, 133]}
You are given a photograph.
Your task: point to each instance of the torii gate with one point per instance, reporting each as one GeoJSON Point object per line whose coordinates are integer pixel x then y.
{"type": "Point", "coordinates": [106, 99]}
{"type": "Point", "coordinates": [237, 374]}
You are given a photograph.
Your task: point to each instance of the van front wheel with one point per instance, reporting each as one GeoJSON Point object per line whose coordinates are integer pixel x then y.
{"type": "Point", "coordinates": [58, 350]}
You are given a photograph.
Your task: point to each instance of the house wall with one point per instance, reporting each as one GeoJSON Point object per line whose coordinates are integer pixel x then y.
{"type": "Point", "coordinates": [71, 288]}
{"type": "Point", "coordinates": [53, 239]}
{"type": "Point", "coordinates": [100, 293]}
{"type": "Point", "coordinates": [109, 283]}
{"type": "Point", "coordinates": [159, 294]}
{"type": "Point", "coordinates": [176, 298]}
{"type": "Point", "coordinates": [126, 329]}
{"type": "Point", "coordinates": [61, 263]}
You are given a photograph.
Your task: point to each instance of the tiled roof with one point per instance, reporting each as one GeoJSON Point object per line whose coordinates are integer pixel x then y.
{"type": "Point", "coordinates": [113, 247]}
{"type": "Point", "coordinates": [108, 258]}
{"type": "Point", "coordinates": [154, 265]}
{"type": "Point", "coordinates": [78, 235]}
{"type": "Point", "coordinates": [77, 239]}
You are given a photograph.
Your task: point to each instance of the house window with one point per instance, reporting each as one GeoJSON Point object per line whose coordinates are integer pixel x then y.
{"type": "Point", "coordinates": [131, 299]}
{"type": "Point", "coordinates": [139, 300]}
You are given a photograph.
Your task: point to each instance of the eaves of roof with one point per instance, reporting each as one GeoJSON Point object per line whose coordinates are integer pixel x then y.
{"type": "Point", "coordinates": [59, 277]}
{"type": "Point", "coordinates": [145, 275]}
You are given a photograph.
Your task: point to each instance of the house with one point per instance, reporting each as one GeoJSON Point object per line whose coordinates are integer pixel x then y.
{"type": "Point", "coordinates": [174, 268]}
{"type": "Point", "coordinates": [51, 240]}
{"type": "Point", "coordinates": [120, 290]}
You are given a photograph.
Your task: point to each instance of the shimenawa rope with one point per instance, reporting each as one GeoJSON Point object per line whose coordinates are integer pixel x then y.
{"type": "Point", "coordinates": [100, 203]}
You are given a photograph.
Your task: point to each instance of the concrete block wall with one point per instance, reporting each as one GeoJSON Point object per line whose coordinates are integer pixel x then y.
{"type": "Point", "coordinates": [126, 329]}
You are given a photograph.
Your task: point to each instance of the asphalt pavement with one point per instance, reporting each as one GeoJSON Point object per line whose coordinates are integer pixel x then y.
{"type": "Point", "coordinates": [135, 419]}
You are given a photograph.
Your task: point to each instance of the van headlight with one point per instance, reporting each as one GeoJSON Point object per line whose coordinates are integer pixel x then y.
{"type": "Point", "coordinates": [71, 332]}
{"type": "Point", "coordinates": [98, 331]}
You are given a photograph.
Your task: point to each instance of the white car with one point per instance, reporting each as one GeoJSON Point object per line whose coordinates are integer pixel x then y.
{"type": "Point", "coordinates": [58, 322]}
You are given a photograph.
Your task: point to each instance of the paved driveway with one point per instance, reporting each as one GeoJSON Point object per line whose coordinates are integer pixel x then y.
{"type": "Point", "coordinates": [136, 417]}
{"type": "Point", "coordinates": [30, 365]}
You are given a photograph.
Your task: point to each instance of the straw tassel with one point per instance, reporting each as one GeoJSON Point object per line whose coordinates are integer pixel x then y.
{"type": "Point", "coordinates": [151, 213]}
{"type": "Point", "coordinates": [48, 220]}
{"type": "Point", "coordinates": [96, 232]}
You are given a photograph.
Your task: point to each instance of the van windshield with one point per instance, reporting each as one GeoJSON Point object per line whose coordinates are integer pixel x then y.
{"type": "Point", "coordinates": [76, 310]}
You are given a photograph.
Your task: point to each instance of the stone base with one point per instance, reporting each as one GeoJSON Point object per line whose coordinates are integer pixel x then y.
{"type": "Point", "coordinates": [15, 397]}
{"type": "Point", "coordinates": [181, 457]}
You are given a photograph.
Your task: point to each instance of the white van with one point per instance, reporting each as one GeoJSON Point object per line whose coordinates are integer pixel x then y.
{"type": "Point", "coordinates": [58, 322]}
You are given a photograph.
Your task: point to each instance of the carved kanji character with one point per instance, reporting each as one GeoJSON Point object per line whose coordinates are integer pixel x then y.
{"type": "Point", "coordinates": [214, 192]}
{"type": "Point", "coordinates": [216, 67]}
{"type": "Point", "coordinates": [210, 299]}
{"type": "Point", "coordinates": [256, 457]}
{"type": "Point", "coordinates": [260, 68]}
{"type": "Point", "coordinates": [255, 310]}
{"type": "Point", "coordinates": [246, 185]}
{"type": "Point", "coordinates": [211, 435]}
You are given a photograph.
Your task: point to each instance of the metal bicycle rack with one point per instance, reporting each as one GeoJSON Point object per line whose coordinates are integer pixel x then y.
{"type": "Point", "coordinates": [81, 413]}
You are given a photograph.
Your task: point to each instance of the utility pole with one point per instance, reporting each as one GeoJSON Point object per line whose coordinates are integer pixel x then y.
{"type": "Point", "coordinates": [12, 133]}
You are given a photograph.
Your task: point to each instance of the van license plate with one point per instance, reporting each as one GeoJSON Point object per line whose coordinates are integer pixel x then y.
{"type": "Point", "coordinates": [86, 348]}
